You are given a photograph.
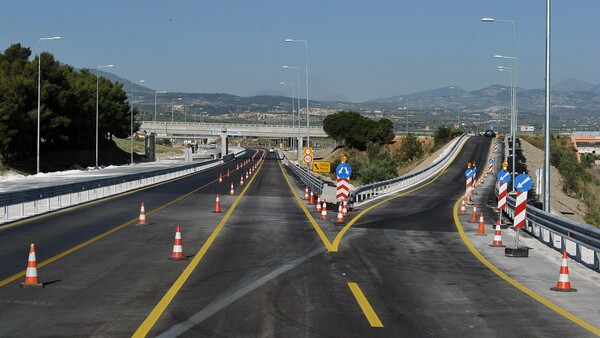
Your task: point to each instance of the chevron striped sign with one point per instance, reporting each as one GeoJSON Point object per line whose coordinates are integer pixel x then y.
{"type": "Point", "coordinates": [343, 187]}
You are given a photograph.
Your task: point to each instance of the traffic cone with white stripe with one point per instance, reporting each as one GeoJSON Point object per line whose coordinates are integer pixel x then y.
{"type": "Point", "coordinates": [142, 219]}
{"type": "Point", "coordinates": [217, 205]}
{"type": "Point", "coordinates": [177, 246]}
{"type": "Point", "coordinates": [220, 178]}
{"type": "Point", "coordinates": [497, 237]}
{"type": "Point", "coordinates": [463, 208]}
{"type": "Point", "coordinates": [306, 193]}
{"type": "Point", "coordinates": [311, 200]}
{"type": "Point", "coordinates": [318, 207]}
{"type": "Point", "coordinates": [247, 175]}
{"type": "Point", "coordinates": [324, 210]}
{"type": "Point", "coordinates": [481, 228]}
{"type": "Point", "coordinates": [474, 213]}
{"type": "Point", "coordinates": [231, 191]}
{"type": "Point", "coordinates": [340, 216]}
{"type": "Point", "coordinates": [345, 208]}
{"type": "Point", "coordinates": [31, 276]}
{"type": "Point", "coordinates": [241, 180]}
{"type": "Point", "coordinates": [564, 285]}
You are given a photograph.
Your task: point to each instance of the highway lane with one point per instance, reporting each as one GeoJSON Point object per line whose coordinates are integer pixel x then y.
{"type": "Point", "coordinates": [267, 273]}
{"type": "Point", "coordinates": [110, 285]}
{"type": "Point", "coordinates": [268, 276]}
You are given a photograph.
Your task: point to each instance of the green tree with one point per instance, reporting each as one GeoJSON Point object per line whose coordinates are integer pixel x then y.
{"type": "Point", "coordinates": [442, 135]}
{"type": "Point", "coordinates": [356, 130]}
{"type": "Point", "coordinates": [410, 149]}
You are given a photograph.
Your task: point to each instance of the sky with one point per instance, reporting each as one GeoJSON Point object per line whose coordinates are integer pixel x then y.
{"type": "Point", "coordinates": [360, 50]}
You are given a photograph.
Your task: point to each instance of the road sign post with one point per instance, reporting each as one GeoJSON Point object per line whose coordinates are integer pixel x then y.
{"type": "Point", "coordinates": [343, 172]}
{"type": "Point", "coordinates": [503, 179]}
{"type": "Point", "coordinates": [522, 184]}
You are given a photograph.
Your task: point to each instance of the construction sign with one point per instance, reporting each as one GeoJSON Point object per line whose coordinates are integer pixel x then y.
{"type": "Point", "coordinates": [321, 167]}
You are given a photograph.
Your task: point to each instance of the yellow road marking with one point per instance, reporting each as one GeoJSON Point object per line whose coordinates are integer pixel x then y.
{"type": "Point", "coordinates": [334, 247]}
{"type": "Point", "coordinates": [162, 305]}
{"type": "Point", "coordinates": [516, 284]}
{"type": "Point", "coordinates": [94, 239]}
{"type": "Point", "coordinates": [365, 305]}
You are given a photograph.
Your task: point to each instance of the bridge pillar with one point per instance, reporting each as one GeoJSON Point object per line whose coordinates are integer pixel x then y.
{"type": "Point", "coordinates": [224, 144]}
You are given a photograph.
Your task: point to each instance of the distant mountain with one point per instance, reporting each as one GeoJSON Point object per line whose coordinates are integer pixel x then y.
{"type": "Point", "coordinates": [335, 98]}
{"type": "Point", "coordinates": [126, 83]}
{"type": "Point", "coordinates": [267, 92]}
{"type": "Point", "coordinates": [444, 91]}
{"type": "Point", "coordinates": [573, 85]}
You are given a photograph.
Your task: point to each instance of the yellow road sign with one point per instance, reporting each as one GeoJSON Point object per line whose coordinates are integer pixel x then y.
{"type": "Point", "coordinates": [321, 167]}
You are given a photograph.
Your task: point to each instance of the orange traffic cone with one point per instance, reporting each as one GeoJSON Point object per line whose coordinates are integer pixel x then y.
{"type": "Point", "coordinates": [481, 228]}
{"type": "Point", "coordinates": [474, 213]}
{"type": "Point", "coordinates": [463, 207]}
{"type": "Point", "coordinates": [227, 173]}
{"type": "Point", "coordinates": [220, 178]}
{"type": "Point", "coordinates": [311, 200]}
{"type": "Point", "coordinates": [231, 191]}
{"type": "Point", "coordinates": [177, 246]}
{"type": "Point", "coordinates": [345, 208]}
{"type": "Point", "coordinates": [340, 216]}
{"type": "Point", "coordinates": [217, 205]}
{"type": "Point", "coordinates": [247, 175]}
{"type": "Point", "coordinates": [306, 193]}
{"type": "Point", "coordinates": [142, 219]}
{"type": "Point", "coordinates": [318, 207]}
{"type": "Point", "coordinates": [31, 276]}
{"type": "Point", "coordinates": [241, 180]}
{"type": "Point", "coordinates": [563, 278]}
{"type": "Point", "coordinates": [497, 237]}
{"type": "Point", "coordinates": [324, 210]}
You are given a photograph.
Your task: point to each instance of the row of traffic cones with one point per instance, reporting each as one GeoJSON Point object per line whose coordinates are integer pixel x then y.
{"type": "Point", "coordinates": [563, 284]}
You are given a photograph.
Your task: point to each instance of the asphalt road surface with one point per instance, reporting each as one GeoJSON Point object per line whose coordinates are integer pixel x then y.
{"type": "Point", "coordinates": [259, 269]}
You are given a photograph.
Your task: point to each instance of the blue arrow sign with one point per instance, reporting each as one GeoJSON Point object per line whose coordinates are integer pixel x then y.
{"type": "Point", "coordinates": [491, 160]}
{"type": "Point", "coordinates": [470, 173]}
{"type": "Point", "coordinates": [523, 182]}
{"type": "Point", "coordinates": [343, 170]}
{"type": "Point", "coordinates": [491, 125]}
{"type": "Point", "coordinates": [503, 176]}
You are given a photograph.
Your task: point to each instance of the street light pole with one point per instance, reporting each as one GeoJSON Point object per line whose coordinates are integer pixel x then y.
{"type": "Point", "coordinates": [131, 123]}
{"type": "Point", "coordinates": [297, 99]}
{"type": "Point", "coordinates": [547, 116]}
{"type": "Point", "coordinates": [290, 83]}
{"type": "Point", "coordinates": [160, 92]}
{"type": "Point", "coordinates": [97, 107]}
{"type": "Point", "coordinates": [513, 127]}
{"type": "Point", "coordinates": [514, 112]}
{"type": "Point", "coordinates": [306, 77]}
{"type": "Point", "coordinates": [39, 101]}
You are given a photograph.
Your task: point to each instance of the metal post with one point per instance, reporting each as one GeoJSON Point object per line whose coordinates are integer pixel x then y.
{"type": "Point", "coordinates": [547, 116]}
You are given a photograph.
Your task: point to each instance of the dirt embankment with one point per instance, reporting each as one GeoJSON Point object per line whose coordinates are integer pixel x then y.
{"type": "Point", "coordinates": [569, 207]}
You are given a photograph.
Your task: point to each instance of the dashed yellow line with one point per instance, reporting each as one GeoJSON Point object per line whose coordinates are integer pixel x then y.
{"type": "Point", "coordinates": [365, 305]}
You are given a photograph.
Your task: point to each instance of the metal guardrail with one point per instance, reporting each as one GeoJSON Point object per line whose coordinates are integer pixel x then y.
{"type": "Point", "coordinates": [29, 202]}
{"type": "Point", "coordinates": [313, 182]}
{"type": "Point", "coordinates": [551, 229]}
{"type": "Point", "coordinates": [369, 191]}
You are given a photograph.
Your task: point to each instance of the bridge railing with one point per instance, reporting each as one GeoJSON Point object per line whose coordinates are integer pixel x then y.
{"type": "Point", "coordinates": [370, 191]}
{"type": "Point", "coordinates": [29, 202]}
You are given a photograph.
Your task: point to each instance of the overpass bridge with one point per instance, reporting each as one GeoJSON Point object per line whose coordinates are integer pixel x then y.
{"type": "Point", "coordinates": [213, 130]}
